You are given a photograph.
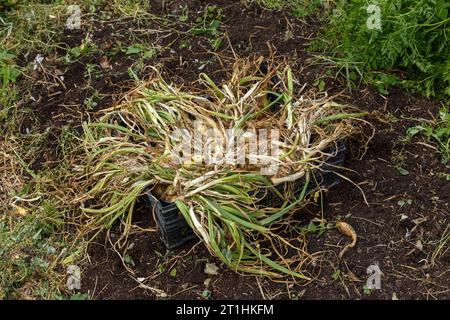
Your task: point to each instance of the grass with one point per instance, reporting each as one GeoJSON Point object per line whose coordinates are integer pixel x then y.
{"type": "Point", "coordinates": [33, 229]}
{"type": "Point", "coordinates": [297, 8]}
{"type": "Point", "coordinates": [443, 245]}
{"type": "Point", "coordinates": [28, 252]}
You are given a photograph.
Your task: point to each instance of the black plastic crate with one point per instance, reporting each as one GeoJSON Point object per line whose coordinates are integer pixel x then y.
{"type": "Point", "coordinates": [174, 229]}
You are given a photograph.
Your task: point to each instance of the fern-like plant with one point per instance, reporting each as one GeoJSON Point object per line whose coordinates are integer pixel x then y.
{"type": "Point", "coordinates": [410, 48]}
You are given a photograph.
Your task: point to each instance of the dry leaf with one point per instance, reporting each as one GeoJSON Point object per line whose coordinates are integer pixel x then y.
{"type": "Point", "coordinates": [418, 245]}
{"type": "Point", "coordinates": [104, 63]}
{"type": "Point", "coordinates": [106, 45]}
{"type": "Point", "coordinates": [352, 277]}
{"type": "Point", "coordinates": [419, 220]}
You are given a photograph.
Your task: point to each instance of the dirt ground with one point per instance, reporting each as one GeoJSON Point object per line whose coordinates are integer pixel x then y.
{"type": "Point", "coordinates": [399, 229]}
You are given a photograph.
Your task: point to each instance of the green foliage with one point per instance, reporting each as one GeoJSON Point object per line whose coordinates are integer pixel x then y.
{"type": "Point", "coordinates": [79, 296]}
{"type": "Point", "coordinates": [146, 51]}
{"type": "Point", "coordinates": [367, 290]}
{"type": "Point", "coordinates": [438, 133]}
{"type": "Point", "coordinates": [337, 275]}
{"type": "Point", "coordinates": [208, 24]}
{"type": "Point", "coordinates": [9, 72]}
{"type": "Point", "coordinates": [86, 48]}
{"type": "Point", "coordinates": [316, 226]}
{"type": "Point", "coordinates": [29, 249]}
{"type": "Point", "coordinates": [412, 48]}
{"type": "Point", "coordinates": [297, 8]}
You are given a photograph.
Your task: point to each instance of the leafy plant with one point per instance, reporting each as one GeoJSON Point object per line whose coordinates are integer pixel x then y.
{"type": "Point", "coordinates": [297, 8]}
{"type": "Point", "coordinates": [337, 276]}
{"type": "Point", "coordinates": [206, 294]}
{"type": "Point", "coordinates": [317, 226]}
{"type": "Point", "coordinates": [367, 290]}
{"type": "Point", "coordinates": [146, 51]}
{"type": "Point", "coordinates": [92, 70]}
{"type": "Point", "coordinates": [9, 72]}
{"type": "Point", "coordinates": [79, 296]}
{"type": "Point", "coordinates": [86, 47]}
{"type": "Point", "coordinates": [91, 102]}
{"type": "Point", "coordinates": [29, 250]}
{"type": "Point", "coordinates": [184, 14]}
{"type": "Point", "coordinates": [208, 24]}
{"type": "Point", "coordinates": [438, 133]}
{"type": "Point", "coordinates": [410, 47]}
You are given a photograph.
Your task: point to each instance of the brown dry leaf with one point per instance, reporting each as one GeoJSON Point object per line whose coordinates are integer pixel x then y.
{"type": "Point", "coordinates": [211, 269]}
{"type": "Point", "coordinates": [104, 63]}
{"type": "Point", "coordinates": [106, 45]}
{"type": "Point", "coordinates": [418, 245]}
{"type": "Point", "coordinates": [352, 277]}
{"type": "Point", "coordinates": [418, 221]}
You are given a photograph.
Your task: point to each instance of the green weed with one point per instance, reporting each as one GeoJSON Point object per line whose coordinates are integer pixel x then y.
{"type": "Point", "coordinates": [408, 47]}
{"type": "Point", "coordinates": [437, 132]}
{"type": "Point", "coordinates": [9, 73]}
{"type": "Point", "coordinates": [208, 25]}
{"type": "Point", "coordinates": [297, 8]}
